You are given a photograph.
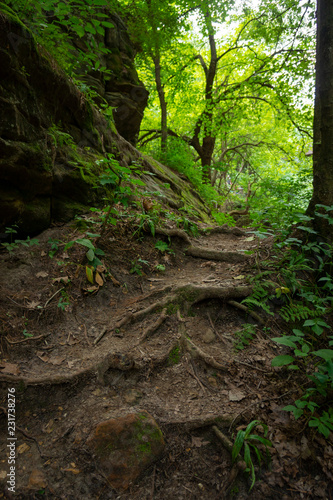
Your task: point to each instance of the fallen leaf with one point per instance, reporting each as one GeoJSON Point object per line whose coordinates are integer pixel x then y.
{"type": "Point", "coordinates": [43, 253]}
{"type": "Point", "coordinates": [23, 448]}
{"type": "Point", "coordinates": [42, 274]}
{"type": "Point", "coordinates": [43, 356]}
{"type": "Point", "coordinates": [99, 279]}
{"type": "Point", "coordinates": [11, 368]}
{"type": "Point", "coordinates": [114, 281]}
{"type": "Point", "coordinates": [240, 277]}
{"type": "Point", "coordinates": [74, 471]}
{"type": "Point", "coordinates": [251, 238]}
{"type": "Point", "coordinates": [71, 364]}
{"type": "Point", "coordinates": [64, 279]}
{"type": "Point", "coordinates": [198, 442]}
{"type": "Point", "coordinates": [33, 304]}
{"type": "Point", "coordinates": [57, 360]}
{"type": "Point", "coordinates": [236, 395]}
{"type": "Point", "coordinates": [90, 274]}
{"type": "Point", "coordinates": [101, 268]}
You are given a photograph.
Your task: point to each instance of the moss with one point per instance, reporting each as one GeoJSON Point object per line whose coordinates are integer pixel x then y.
{"type": "Point", "coordinates": [174, 356]}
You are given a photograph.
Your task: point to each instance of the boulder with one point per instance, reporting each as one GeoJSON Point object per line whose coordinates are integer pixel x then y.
{"type": "Point", "coordinates": [126, 446]}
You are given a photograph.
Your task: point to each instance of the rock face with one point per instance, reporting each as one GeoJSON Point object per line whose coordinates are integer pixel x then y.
{"type": "Point", "coordinates": [52, 139]}
{"type": "Point", "coordinates": [126, 446]}
{"type": "Point", "coordinates": [122, 90]}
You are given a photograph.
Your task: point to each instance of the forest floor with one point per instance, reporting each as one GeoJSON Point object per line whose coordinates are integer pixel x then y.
{"type": "Point", "coordinates": [172, 342]}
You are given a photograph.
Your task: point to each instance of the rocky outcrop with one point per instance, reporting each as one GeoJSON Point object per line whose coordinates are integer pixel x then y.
{"type": "Point", "coordinates": [122, 89]}
{"type": "Point", "coordinates": [52, 140]}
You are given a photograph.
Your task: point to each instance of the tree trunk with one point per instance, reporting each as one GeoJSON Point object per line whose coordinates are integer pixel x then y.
{"type": "Point", "coordinates": [323, 121]}
{"type": "Point", "coordinates": [163, 104]}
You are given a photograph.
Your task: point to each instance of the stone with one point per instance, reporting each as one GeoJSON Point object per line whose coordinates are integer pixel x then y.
{"type": "Point", "coordinates": [208, 336]}
{"type": "Point", "coordinates": [124, 447]}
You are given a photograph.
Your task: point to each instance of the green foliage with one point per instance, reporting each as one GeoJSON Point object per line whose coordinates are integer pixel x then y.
{"type": "Point", "coordinates": [13, 245]}
{"type": "Point", "coordinates": [247, 441]}
{"type": "Point", "coordinates": [174, 356]}
{"type": "Point", "coordinates": [137, 266]}
{"type": "Point", "coordinates": [244, 336]}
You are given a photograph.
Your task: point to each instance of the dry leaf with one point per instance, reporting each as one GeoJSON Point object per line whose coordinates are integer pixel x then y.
{"type": "Point", "coordinates": [74, 471]}
{"type": "Point", "coordinates": [240, 277]}
{"type": "Point", "coordinates": [23, 448]}
{"type": "Point", "coordinates": [65, 279]}
{"type": "Point", "coordinates": [42, 274]}
{"type": "Point", "coordinates": [43, 356]}
{"type": "Point", "coordinates": [101, 268]}
{"type": "Point", "coordinates": [114, 281]}
{"type": "Point", "coordinates": [43, 253]}
{"type": "Point", "coordinates": [11, 368]}
{"type": "Point", "coordinates": [33, 304]}
{"type": "Point", "coordinates": [236, 395]}
{"type": "Point", "coordinates": [57, 360]}
{"type": "Point", "coordinates": [198, 442]}
{"type": "Point", "coordinates": [99, 279]}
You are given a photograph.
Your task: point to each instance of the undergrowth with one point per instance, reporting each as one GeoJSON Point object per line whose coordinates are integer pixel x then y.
{"type": "Point", "coordinates": [300, 289]}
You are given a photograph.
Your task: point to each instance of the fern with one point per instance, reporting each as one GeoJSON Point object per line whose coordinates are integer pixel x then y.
{"type": "Point", "coordinates": [294, 312]}
{"type": "Point", "coordinates": [259, 297]}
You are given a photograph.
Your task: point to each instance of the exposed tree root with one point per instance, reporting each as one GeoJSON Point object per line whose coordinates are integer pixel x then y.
{"type": "Point", "coordinates": [152, 328]}
{"type": "Point", "coordinates": [191, 424]}
{"type": "Point", "coordinates": [248, 311]}
{"type": "Point", "coordinates": [192, 294]}
{"type": "Point", "coordinates": [179, 233]}
{"type": "Point", "coordinates": [196, 352]}
{"type": "Point", "coordinates": [225, 229]}
{"type": "Point", "coordinates": [204, 253]}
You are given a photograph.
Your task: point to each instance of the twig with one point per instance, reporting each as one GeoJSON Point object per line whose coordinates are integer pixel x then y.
{"type": "Point", "coordinates": [100, 336]}
{"type": "Point", "coordinates": [26, 340]}
{"type": "Point", "coordinates": [56, 293]}
{"type": "Point", "coordinates": [86, 335]}
{"type": "Point", "coordinates": [214, 329]}
{"type": "Point", "coordinates": [250, 366]}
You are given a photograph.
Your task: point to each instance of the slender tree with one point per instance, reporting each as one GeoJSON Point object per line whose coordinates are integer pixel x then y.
{"type": "Point", "coordinates": [323, 123]}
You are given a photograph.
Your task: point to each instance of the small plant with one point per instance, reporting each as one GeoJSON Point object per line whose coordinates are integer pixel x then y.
{"type": "Point", "coordinates": [14, 244]}
{"type": "Point", "coordinates": [137, 266]}
{"type": "Point", "coordinates": [163, 247]}
{"type": "Point", "coordinates": [247, 441]}
{"type": "Point", "coordinates": [174, 356]}
{"type": "Point", "coordinates": [160, 268]}
{"type": "Point", "coordinates": [64, 301]}
{"type": "Point", "coordinates": [244, 336]}
{"type": "Point", "coordinates": [54, 247]}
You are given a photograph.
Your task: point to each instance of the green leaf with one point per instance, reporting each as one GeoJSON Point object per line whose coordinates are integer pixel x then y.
{"type": "Point", "coordinates": [90, 254]}
{"type": "Point", "coordinates": [326, 354]}
{"type": "Point", "coordinates": [239, 441]}
{"type": "Point", "coordinates": [90, 274]}
{"type": "Point", "coordinates": [284, 341]}
{"type": "Point", "coordinates": [282, 360]}
{"type": "Point", "coordinates": [85, 243]}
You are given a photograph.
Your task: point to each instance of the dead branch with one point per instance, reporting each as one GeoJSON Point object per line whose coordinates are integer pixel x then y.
{"type": "Point", "coordinates": [248, 311]}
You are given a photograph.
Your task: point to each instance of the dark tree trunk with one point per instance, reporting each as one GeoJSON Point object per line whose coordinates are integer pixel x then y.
{"type": "Point", "coordinates": [163, 104]}
{"type": "Point", "coordinates": [323, 121]}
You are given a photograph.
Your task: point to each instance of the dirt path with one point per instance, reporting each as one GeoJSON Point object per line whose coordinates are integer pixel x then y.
{"type": "Point", "coordinates": [163, 341]}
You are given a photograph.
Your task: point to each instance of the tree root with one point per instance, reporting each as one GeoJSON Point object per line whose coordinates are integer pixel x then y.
{"type": "Point", "coordinates": [152, 328]}
{"type": "Point", "coordinates": [204, 253]}
{"type": "Point", "coordinates": [239, 466]}
{"type": "Point", "coordinates": [225, 229]}
{"type": "Point", "coordinates": [192, 294]}
{"type": "Point", "coordinates": [196, 352]}
{"type": "Point", "coordinates": [199, 422]}
{"type": "Point", "coordinates": [248, 311]}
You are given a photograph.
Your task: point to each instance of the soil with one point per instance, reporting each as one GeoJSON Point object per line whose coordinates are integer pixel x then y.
{"type": "Point", "coordinates": [156, 331]}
